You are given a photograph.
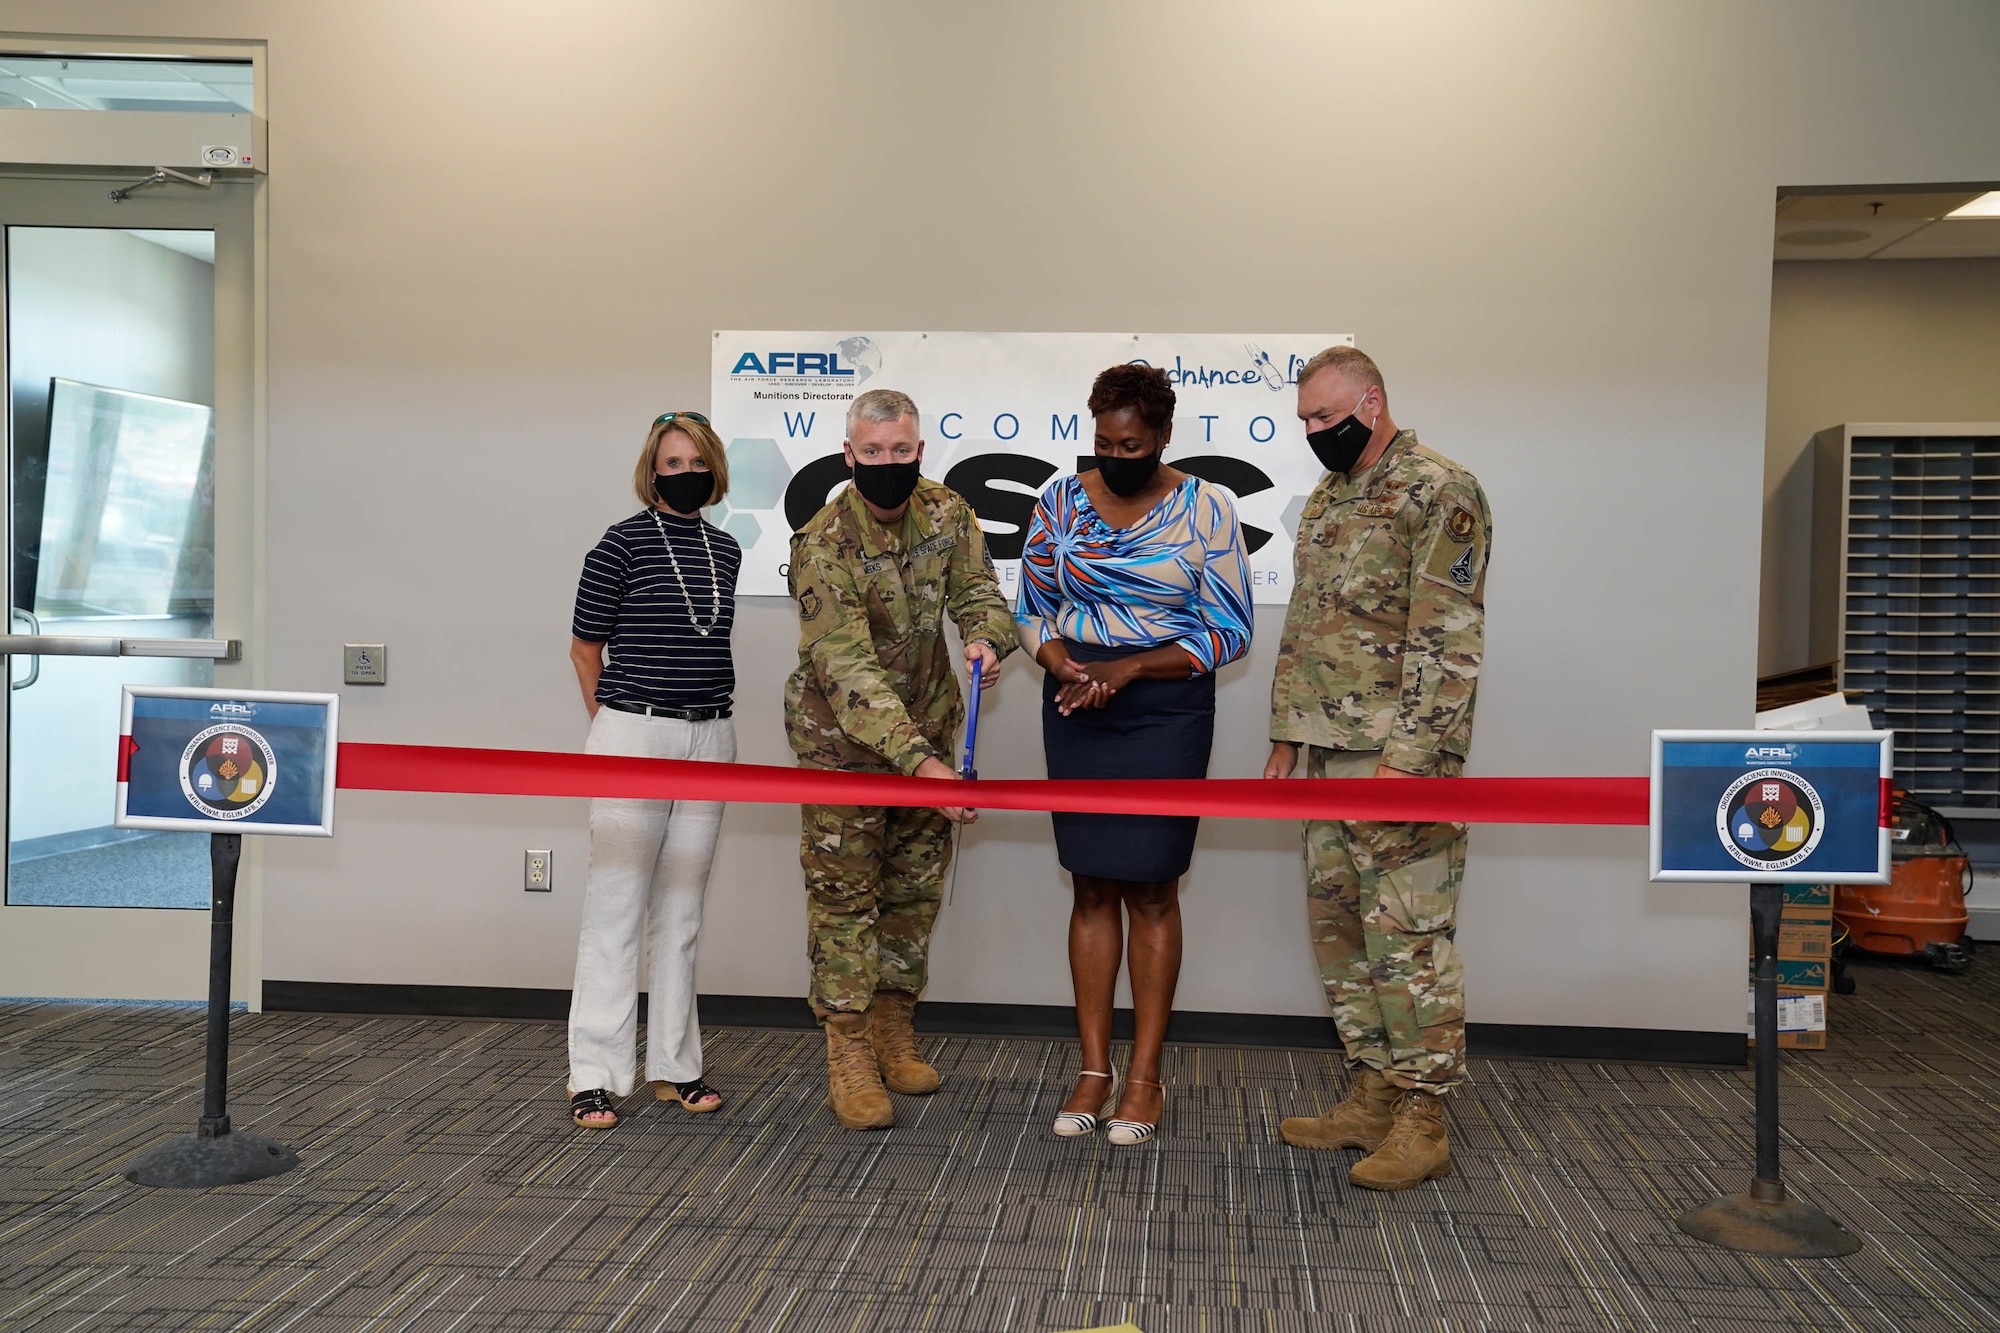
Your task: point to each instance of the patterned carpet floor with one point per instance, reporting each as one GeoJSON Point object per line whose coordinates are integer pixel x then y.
{"type": "Point", "coordinates": [444, 1191]}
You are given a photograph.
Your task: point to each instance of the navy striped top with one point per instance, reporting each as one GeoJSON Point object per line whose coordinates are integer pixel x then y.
{"type": "Point", "coordinates": [629, 598]}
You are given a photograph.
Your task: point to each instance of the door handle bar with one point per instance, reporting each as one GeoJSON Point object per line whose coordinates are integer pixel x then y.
{"type": "Point", "coordinates": [65, 645]}
{"type": "Point", "coordinates": [34, 663]}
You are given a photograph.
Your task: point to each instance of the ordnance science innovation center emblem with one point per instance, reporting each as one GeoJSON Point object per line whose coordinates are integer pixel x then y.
{"type": "Point", "coordinates": [228, 771]}
{"type": "Point", "coordinates": [1770, 819]}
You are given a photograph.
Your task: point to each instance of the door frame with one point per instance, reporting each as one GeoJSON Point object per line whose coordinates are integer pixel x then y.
{"type": "Point", "coordinates": [162, 953]}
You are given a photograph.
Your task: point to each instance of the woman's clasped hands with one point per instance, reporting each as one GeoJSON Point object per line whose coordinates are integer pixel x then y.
{"type": "Point", "coordinates": [1084, 684]}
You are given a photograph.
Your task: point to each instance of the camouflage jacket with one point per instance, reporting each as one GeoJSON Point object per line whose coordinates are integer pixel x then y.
{"type": "Point", "coordinates": [877, 684]}
{"type": "Point", "coordinates": [1387, 624]}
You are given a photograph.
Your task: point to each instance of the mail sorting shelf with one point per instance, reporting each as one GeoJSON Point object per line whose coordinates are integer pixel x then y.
{"type": "Point", "coordinates": [1919, 596]}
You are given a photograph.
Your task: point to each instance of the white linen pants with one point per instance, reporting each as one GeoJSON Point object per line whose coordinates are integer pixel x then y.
{"type": "Point", "coordinates": [649, 865]}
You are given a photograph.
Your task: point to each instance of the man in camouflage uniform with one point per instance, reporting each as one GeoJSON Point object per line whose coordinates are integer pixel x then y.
{"type": "Point", "coordinates": [1375, 678]}
{"type": "Point", "coordinates": [874, 574]}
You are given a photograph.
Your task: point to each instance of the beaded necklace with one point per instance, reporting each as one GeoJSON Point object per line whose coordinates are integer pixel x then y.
{"type": "Point", "coordinates": [714, 582]}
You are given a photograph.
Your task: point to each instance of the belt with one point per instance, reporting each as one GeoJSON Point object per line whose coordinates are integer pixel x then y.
{"type": "Point", "coordinates": [654, 710]}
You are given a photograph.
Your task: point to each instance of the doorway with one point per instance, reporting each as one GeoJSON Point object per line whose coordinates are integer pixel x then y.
{"type": "Point", "coordinates": [129, 489]}
{"type": "Point", "coordinates": [1881, 572]}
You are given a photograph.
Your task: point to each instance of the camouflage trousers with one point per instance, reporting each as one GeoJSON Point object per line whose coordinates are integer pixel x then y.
{"type": "Point", "coordinates": [874, 879]}
{"type": "Point", "coordinates": [1382, 902]}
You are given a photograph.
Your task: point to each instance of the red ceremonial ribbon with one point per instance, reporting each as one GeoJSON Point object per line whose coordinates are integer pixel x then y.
{"type": "Point", "coordinates": [439, 768]}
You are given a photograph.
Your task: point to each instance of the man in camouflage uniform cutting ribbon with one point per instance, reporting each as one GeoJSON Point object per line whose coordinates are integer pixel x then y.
{"type": "Point", "coordinates": [874, 574]}
{"type": "Point", "coordinates": [1375, 678]}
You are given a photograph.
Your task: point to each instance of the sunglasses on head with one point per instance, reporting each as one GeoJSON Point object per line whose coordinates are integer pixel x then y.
{"type": "Point", "coordinates": [665, 417]}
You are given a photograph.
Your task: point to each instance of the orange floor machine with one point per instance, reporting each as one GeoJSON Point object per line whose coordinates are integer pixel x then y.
{"type": "Point", "coordinates": [1920, 912]}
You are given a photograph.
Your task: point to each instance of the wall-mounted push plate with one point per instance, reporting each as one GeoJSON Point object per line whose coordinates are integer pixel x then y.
{"type": "Point", "coordinates": [365, 664]}
{"type": "Point", "coordinates": [538, 872]}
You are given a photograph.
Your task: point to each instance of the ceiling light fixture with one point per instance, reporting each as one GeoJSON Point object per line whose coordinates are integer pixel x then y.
{"type": "Point", "coordinates": [1985, 206]}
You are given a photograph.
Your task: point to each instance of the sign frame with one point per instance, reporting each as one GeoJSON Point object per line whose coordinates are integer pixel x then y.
{"type": "Point", "coordinates": [1883, 740]}
{"type": "Point", "coordinates": [194, 823]}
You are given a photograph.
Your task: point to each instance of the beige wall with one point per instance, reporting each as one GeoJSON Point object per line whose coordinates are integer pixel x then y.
{"type": "Point", "coordinates": [1902, 340]}
{"type": "Point", "coordinates": [501, 234]}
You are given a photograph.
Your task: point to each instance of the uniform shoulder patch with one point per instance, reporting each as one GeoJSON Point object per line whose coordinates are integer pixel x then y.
{"type": "Point", "coordinates": [810, 605]}
{"type": "Point", "coordinates": [1458, 562]}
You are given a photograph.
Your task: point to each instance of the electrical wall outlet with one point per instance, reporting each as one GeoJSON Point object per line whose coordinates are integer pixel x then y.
{"type": "Point", "coordinates": [538, 872]}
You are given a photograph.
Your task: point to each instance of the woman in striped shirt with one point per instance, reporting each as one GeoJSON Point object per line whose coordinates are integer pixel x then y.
{"type": "Point", "coordinates": [1134, 589]}
{"type": "Point", "coordinates": [659, 593]}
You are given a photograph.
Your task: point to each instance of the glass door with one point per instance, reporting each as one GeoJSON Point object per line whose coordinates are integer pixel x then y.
{"type": "Point", "coordinates": [113, 321]}
{"type": "Point", "coordinates": [113, 542]}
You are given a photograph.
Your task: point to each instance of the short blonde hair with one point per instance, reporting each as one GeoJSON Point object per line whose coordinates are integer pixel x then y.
{"type": "Point", "coordinates": [1352, 362]}
{"type": "Point", "coordinates": [883, 405]}
{"type": "Point", "coordinates": [706, 443]}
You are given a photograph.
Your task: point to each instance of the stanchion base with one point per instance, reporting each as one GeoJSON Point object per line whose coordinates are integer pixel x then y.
{"type": "Point", "coordinates": [193, 1162]}
{"type": "Point", "coordinates": [1784, 1227]}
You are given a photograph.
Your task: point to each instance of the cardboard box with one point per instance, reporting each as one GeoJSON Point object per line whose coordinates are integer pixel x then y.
{"type": "Point", "coordinates": [1809, 895]}
{"type": "Point", "coordinates": [1809, 935]}
{"type": "Point", "coordinates": [1804, 933]}
{"type": "Point", "coordinates": [1804, 1009]}
{"type": "Point", "coordinates": [1798, 974]}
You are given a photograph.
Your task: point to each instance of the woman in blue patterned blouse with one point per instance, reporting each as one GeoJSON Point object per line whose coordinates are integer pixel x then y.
{"type": "Point", "coordinates": [1134, 589]}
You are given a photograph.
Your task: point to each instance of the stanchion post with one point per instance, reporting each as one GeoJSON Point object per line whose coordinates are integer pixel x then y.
{"type": "Point", "coordinates": [216, 1154]}
{"type": "Point", "coordinates": [1764, 1221]}
{"type": "Point", "coordinates": [1767, 908]}
{"type": "Point", "coordinates": [225, 855]}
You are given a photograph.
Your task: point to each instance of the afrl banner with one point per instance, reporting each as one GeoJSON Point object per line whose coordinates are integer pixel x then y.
{"type": "Point", "coordinates": [1003, 414]}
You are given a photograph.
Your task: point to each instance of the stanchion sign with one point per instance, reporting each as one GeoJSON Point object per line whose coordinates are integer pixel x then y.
{"type": "Point", "coordinates": [227, 761]}
{"type": "Point", "coordinates": [1770, 807]}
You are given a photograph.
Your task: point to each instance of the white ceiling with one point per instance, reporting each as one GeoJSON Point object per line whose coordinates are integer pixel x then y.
{"type": "Point", "coordinates": [1882, 225]}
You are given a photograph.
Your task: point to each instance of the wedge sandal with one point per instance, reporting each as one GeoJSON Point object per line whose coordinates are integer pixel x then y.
{"type": "Point", "coordinates": [1076, 1124]}
{"type": "Point", "coordinates": [1132, 1133]}
{"type": "Point", "coordinates": [592, 1102]}
{"type": "Point", "coordinates": [694, 1096]}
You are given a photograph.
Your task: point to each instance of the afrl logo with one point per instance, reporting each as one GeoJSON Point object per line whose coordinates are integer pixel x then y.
{"type": "Point", "coordinates": [1764, 754]}
{"type": "Point", "coordinates": [231, 708]}
{"type": "Point", "coordinates": [791, 363]}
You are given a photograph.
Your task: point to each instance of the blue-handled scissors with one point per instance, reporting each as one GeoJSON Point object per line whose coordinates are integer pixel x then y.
{"type": "Point", "coordinates": [966, 770]}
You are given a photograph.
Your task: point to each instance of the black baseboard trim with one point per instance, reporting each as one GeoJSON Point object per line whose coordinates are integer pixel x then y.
{"type": "Point", "coordinates": [1647, 1046]}
{"type": "Point", "coordinates": [1501, 1041]}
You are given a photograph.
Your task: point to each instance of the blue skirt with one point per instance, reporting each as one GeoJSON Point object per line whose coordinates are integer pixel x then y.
{"type": "Point", "coordinates": [1150, 729]}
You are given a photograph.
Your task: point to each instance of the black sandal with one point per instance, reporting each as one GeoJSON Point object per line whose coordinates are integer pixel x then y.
{"type": "Point", "coordinates": [592, 1101]}
{"type": "Point", "coordinates": [694, 1095]}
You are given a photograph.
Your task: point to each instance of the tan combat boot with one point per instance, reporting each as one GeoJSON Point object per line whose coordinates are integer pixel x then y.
{"type": "Point", "coordinates": [1361, 1121]}
{"type": "Point", "coordinates": [853, 1088]}
{"type": "Point", "coordinates": [1416, 1150]}
{"type": "Point", "coordinates": [891, 1033]}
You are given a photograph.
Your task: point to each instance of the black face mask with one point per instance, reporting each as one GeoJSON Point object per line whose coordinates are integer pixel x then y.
{"type": "Point", "coordinates": [1340, 445]}
{"type": "Point", "coordinates": [887, 485]}
{"type": "Point", "coordinates": [684, 492]}
{"type": "Point", "coordinates": [1127, 476]}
